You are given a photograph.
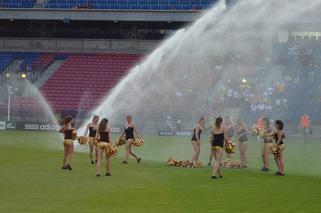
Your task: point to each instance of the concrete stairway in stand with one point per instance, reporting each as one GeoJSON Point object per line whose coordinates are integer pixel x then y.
{"type": "Point", "coordinates": [48, 72]}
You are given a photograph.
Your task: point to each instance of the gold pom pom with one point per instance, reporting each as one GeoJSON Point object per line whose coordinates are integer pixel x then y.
{"type": "Point", "coordinates": [96, 141]}
{"type": "Point", "coordinates": [266, 135]}
{"type": "Point", "coordinates": [111, 150]}
{"type": "Point", "coordinates": [138, 142]}
{"type": "Point", "coordinates": [183, 163]}
{"type": "Point", "coordinates": [197, 164]}
{"type": "Point", "coordinates": [121, 141]}
{"type": "Point", "coordinates": [276, 149]}
{"type": "Point", "coordinates": [230, 147]}
{"type": "Point", "coordinates": [255, 130]}
{"type": "Point", "coordinates": [82, 140]}
{"type": "Point", "coordinates": [74, 134]}
{"type": "Point", "coordinates": [231, 164]}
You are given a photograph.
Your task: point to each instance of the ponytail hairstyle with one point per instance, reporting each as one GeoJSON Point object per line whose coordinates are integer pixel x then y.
{"type": "Point", "coordinates": [218, 122]}
{"type": "Point", "coordinates": [103, 125]}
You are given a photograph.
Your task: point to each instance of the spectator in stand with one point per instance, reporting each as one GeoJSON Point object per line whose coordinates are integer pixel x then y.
{"type": "Point", "coordinates": [268, 108]}
{"type": "Point", "coordinates": [261, 107]}
{"type": "Point", "coordinates": [169, 124]}
{"type": "Point", "coordinates": [245, 94]}
{"type": "Point", "coordinates": [178, 125]}
{"type": "Point", "coordinates": [270, 90]}
{"type": "Point", "coordinates": [280, 87]}
{"type": "Point", "coordinates": [305, 124]}
{"type": "Point", "coordinates": [285, 104]}
{"type": "Point", "coordinates": [90, 5]}
{"type": "Point", "coordinates": [278, 103]}
{"type": "Point", "coordinates": [253, 108]}
{"type": "Point", "coordinates": [230, 96]}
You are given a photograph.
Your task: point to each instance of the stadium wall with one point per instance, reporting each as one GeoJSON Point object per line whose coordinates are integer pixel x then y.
{"type": "Point", "coordinates": [77, 45]}
{"type": "Point", "coordinates": [97, 15]}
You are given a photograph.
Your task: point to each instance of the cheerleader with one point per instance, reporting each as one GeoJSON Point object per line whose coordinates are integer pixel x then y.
{"type": "Point", "coordinates": [267, 145]}
{"type": "Point", "coordinates": [279, 136]}
{"type": "Point", "coordinates": [196, 139]}
{"type": "Point", "coordinates": [242, 132]}
{"type": "Point", "coordinates": [67, 130]}
{"type": "Point", "coordinates": [92, 128]}
{"type": "Point", "coordinates": [218, 138]}
{"type": "Point", "coordinates": [230, 131]}
{"type": "Point", "coordinates": [129, 132]}
{"type": "Point", "coordinates": [103, 136]}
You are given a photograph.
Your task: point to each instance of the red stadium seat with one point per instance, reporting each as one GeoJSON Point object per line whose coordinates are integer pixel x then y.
{"type": "Point", "coordinates": [71, 86]}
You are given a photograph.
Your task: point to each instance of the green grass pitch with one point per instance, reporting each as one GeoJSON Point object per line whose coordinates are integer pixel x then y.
{"type": "Point", "coordinates": [31, 179]}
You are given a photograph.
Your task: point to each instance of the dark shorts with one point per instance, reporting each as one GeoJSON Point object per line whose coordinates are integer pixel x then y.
{"type": "Point", "coordinates": [243, 139]}
{"type": "Point", "coordinates": [306, 131]}
{"type": "Point", "coordinates": [129, 137]}
{"type": "Point", "coordinates": [217, 144]}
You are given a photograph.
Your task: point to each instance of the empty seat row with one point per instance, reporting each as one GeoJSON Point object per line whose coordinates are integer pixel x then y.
{"type": "Point", "coordinates": [76, 85]}
{"type": "Point", "coordinates": [17, 3]}
{"type": "Point", "coordinates": [30, 60]}
{"type": "Point", "coordinates": [132, 4]}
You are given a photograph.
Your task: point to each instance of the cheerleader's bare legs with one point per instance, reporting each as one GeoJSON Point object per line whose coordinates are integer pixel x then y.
{"type": "Point", "coordinates": [218, 153]}
{"type": "Point", "coordinates": [100, 155]}
{"type": "Point", "coordinates": [129, 144]}
{"type": "Point", "coordinates": [243, 153]}
{"type": "Point", "coordinates": [210, 158]}
{"type": "Point", "coordinates": [197, 150]}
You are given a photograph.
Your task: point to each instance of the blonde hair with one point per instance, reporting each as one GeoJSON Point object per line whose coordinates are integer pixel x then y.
{"type": "Point", "coordinates": [95, 117]}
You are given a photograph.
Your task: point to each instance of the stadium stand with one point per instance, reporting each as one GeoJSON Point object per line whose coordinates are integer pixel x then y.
{"type": "Point", "coordinates": [44, 60]}
{"type": "Point", "coordinates": [28, 59]}
{"type": "Point", "coordinates": [6, 58]}
{"type": "Point", "coordinates": [17, 3]}
{"type": "Point", "coordinates": [85, 78]}
{"type": "Point", "coordinates": [295, 92]}
{"type": "Point", "coordinates": [25, 105]}
{"type": "Point", "coordinates": [132, 4]}
{"type": "Point", "coordinates": [35, 61]}
{"type": "Point", "coordinates": [31, 61]}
